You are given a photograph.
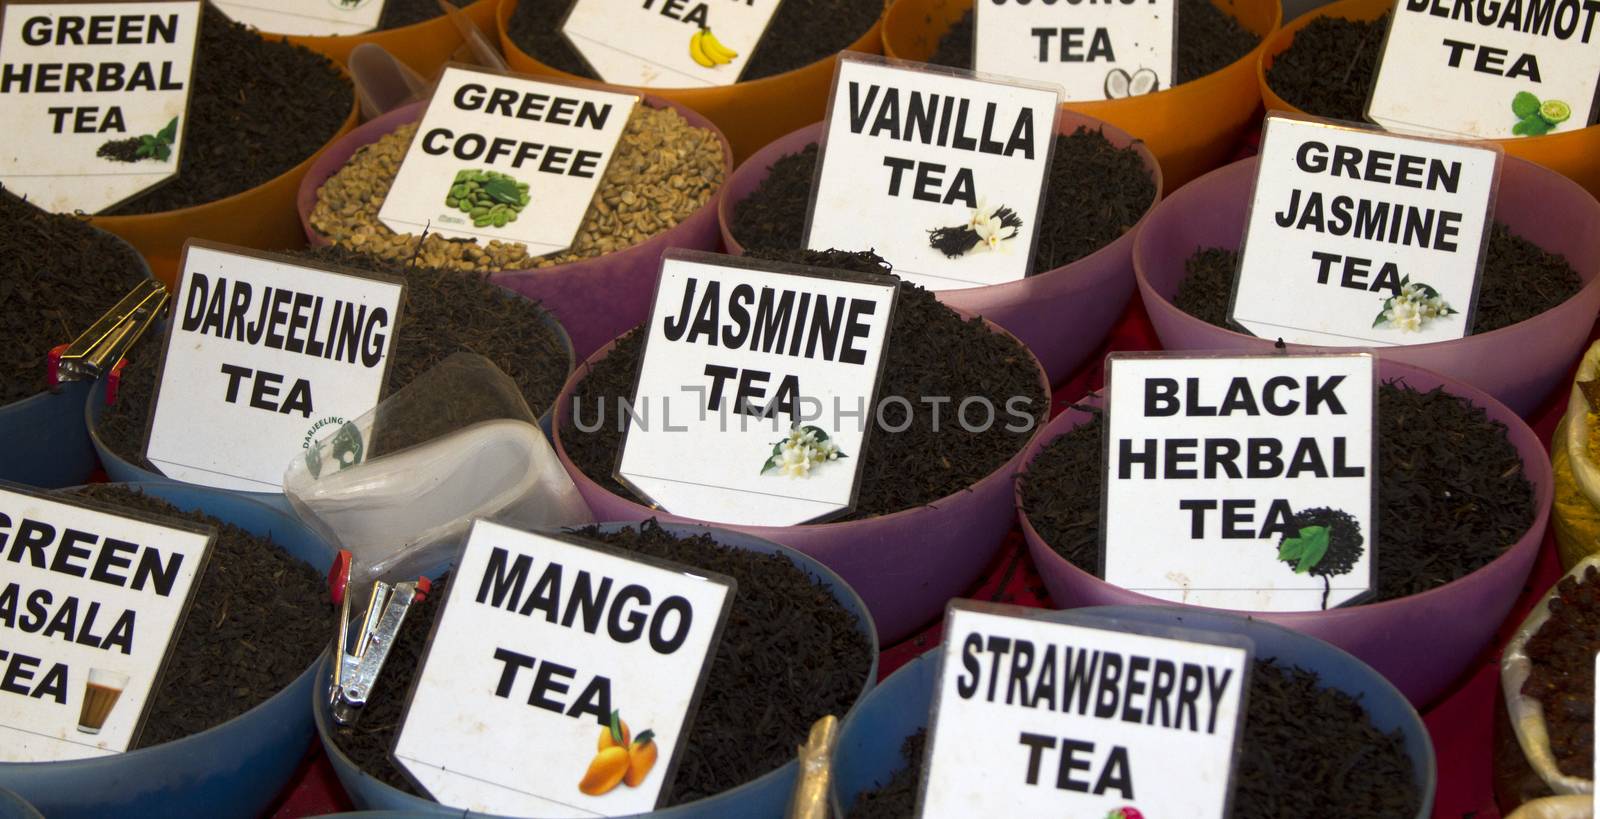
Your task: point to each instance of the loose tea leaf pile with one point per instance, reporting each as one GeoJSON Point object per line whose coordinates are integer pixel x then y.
{"type": "Point", "coordinates": [788, 655]}
{"type": "Point", "coordinates": [257, 108]}
{"type": "Point", "coordinates": [664, 170]}
{"type": "Point", "coordinates": [931, 352]}
{"type": "Point", "coordinates": [800, 33]}
{"type": "Point", "coordinates": [446, 312]}
{"type": "Point", "coordinates": [1208, 39]}
{"type": "Point", "coordinates": [57, 275]}
{"type": "Point", "coordinates": [1520, 280]}
{"type": "Point", "coordinates": [1562, 674]}
{"type": "Point", "coordinates": [1452, 495]}
{"type": "Point", "coordinates": [1308, 750]}
{"type": "Point", "coordinates": [259, 619]}
{"type": "Point", "coordinates": [1328, 68]}
{"type": "Point", "coordinates": [1095, 192]}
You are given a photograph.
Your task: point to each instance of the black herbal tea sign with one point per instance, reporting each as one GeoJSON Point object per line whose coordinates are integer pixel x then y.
{"type": "Point", "coordinates": [1241, 482]}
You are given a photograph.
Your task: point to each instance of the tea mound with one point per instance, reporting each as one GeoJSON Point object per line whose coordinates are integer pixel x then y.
{"type": "Point", "coordinates": [1452, 495]}
{"type": "Point", "coordinates": [258, 107]}
{"type": "Point", "coordinates": [57, 276]}
{"type": "Point", "coordinates": [1208, 40]}
{"type": "Point", "coordinates": [1095, 192]}
{"type": "Point", "coordinates": [1328, 68]}
{"type": "Point", "coordinates": [1520, 280]}
{"type": "Point", "coordinates": [663, 170]}
{"type": "Point", "coordinates": [259, 619]}
{"type": "Point", "coordinates": [932, 352]}
{"type": "Point", "coordinates": [788, 655]}
{"type": "Point", "coordinates": [898, 797]}
{"type": "Point", "coordinates": [446, 312]}
{"type": "Point", "coordinates": [1561, 676]}
{"type": "Point", "coordinates": [800, 33]}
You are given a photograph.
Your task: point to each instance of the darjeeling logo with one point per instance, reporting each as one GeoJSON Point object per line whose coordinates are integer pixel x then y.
{"type": "Point", "coordinates": [346, 445]}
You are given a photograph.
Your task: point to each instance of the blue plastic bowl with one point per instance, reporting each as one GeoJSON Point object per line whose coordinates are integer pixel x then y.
{"type": "Point", "coordinates": [868, 753]}
{"type": "Point", "coordinates": [234, 769]}
{"type": "Point", "coordinates": [765, 796]}
{"type": "Point", "coordinates": [13, 807]}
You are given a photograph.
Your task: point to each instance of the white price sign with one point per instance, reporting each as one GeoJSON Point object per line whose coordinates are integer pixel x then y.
{"type": "Point", "coordinates": [90, 600]}
{"type": "Point", "coordinates": [668, 43]}
{"type": "Point", "coordinates": [941, 172]}
{"type": "Point", "coordinates": [94, 97]}
{"type": "Point", "coordinates": [561, 677]}
{"type": "Point", "coordinates": [265, 356]}
{"type": "Point", "coordinates": [309, 18]}
{"type": "Point", "coordinates": [1094, 51]}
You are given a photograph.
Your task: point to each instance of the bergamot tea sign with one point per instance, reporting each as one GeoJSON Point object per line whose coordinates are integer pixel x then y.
{"type": "Point", "coordinates": [90, 601]}
{"type": "Point", "coordinates": [668, 43]}
{"type": "Point", "coordinates": [94, 98]}
{"type": "Point", "coordinates": [1241, 482]}
{"type": "Point", "coordinates": [1092, 50]}
{"type": "Point", "coordinates": [944, 170]}
{"type": "Point", "coordinates": [1063, 714]}
{"type": "Point", "coordinates": [561, 678]}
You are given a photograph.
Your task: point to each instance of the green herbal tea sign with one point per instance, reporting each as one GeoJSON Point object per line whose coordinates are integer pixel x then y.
{"type": "Point", "coordinates": [668, 43]}
{"type": "Point", "coordinates": [1063, 714]}
{"type": "Point", "coordinates": [1093, 50]}
{"type": "Point", "coordinates": [312, 18]}
{"type": "Point", "coordinates": [264, 356]}
{"type": "Point", "coordinates": [1240, 482]}
{"type": "Point", "coordinates": [504, 158]}
{"type": "Point", "coordinates": [1490, 70]}
{"type": "Point", "coordinates": [561, 678]}
{"type": "Point", "coordinates": [94, 99]}
{"type": "Point", "coordinates": [941, 172]}
{"type": "Point", "coordinates": [89, 603]}
{"type": "Point", "coordinates": [1361, 238]}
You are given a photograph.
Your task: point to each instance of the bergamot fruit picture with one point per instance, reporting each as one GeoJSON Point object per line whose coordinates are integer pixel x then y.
{"type": "Point", "coordinates": [1536, 117]}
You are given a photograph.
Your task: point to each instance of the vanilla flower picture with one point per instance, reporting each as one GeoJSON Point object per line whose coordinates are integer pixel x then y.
{"type": "Point", "coordinates": [1410, 311]}
{"type": "Point", "coordinates": [803, 450]}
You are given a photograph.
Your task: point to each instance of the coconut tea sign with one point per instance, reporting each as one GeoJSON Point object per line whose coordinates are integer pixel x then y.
{"type": "Point", "coordinates": [668, 43]}
{"type": "Point", "coordinates": [1241, 482]}
{"type": "Point", "coordinates": [561, 678]}
{"type": "Point", "coordinates": [1361, 238]}
{"type": "Point", "coordinates": [1060, 714]}
{"type": "Point", "coordinates": [94, 97]}
{"type": "Point", "coordinates": [90, 602]}
{"type": "Point", "coordinates": [1489, 70]}
{"type": "Point", "coordinates": [945, 171]}
{"type": "Point", "coordinates": [1110, 49]}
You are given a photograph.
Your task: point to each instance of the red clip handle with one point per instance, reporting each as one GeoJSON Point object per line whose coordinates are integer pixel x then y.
{"type": "Point", "coordinates": [113, 381]}
{"type": "Point", "coordinates": [52, 365]}
{"type": "Point", "coordinates": [424, 587]}
{"type": "Point", "coordinates": [339, 576]}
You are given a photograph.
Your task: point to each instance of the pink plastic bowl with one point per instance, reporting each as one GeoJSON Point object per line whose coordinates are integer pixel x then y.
{"type": "Point", "coordinates": [905, 564]}
{"type": "Point", "coordinates": [1519, 364]}
{"type": "Point", "coordinates": [1062, 315]}
{"type": "Point", "coordinates": [595, 299]}
{"type": "Point", "coordinates": [1421, 642]}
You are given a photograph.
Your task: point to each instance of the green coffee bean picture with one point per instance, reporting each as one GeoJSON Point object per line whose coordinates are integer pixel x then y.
{"type": "Point", "coordinates": [488, 197]}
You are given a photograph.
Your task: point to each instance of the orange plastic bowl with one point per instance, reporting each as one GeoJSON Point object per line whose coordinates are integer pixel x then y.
{"type": "Point", "coordinates": [424, 46]}
{"type": "Point", "coordinates": [1191, 128]}
{"type": "Point", "coordinates": [750, 114]}
{"type": "Point", "coordinates": [1573, 154]}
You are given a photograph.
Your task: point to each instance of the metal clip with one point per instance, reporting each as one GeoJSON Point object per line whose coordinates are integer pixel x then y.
{"type": "Point", "coordinates": [357, 668]}
{"type": "Point", "coordinates": [99, 348]}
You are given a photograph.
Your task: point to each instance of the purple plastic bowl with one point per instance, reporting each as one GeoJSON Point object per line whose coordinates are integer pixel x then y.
{"type": "Point", "coordinates": [905, 565]}
{"type": "Point", "coordinates": [1519, 364]}
{"type": "Point", "coordinates": [1062, 315]}
{"type": "Point", "coordinates": [595, 299]}
{"type": "Point", "coordinates": [1421, 642]}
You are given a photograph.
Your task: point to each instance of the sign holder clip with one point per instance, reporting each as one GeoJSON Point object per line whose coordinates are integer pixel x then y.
{"type": "Point", "coordinates": [359, 664]}
{"type": "Point", "coordinates": [100, 348]}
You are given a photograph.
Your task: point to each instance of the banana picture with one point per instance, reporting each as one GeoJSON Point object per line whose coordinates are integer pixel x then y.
{"type": "Point", "coordinates": [706, 50]}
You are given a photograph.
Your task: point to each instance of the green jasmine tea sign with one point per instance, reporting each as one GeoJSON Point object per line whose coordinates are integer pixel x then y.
{"type": "Point", "coordinates": [94, 97]}
{"type": "Point", "coordinates": [1241, 482]}
{"type": "Point", "coordinates": [1064, 714]}
{"type": "Point", "coordinates": [1093, 50]}
{"type": "Point", "coordinates": [942, 172]}
{"type": "Point", "coordinates": [1361, 238]}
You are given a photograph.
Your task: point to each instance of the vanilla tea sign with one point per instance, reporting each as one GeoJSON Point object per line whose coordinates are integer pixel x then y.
{"type": "Point", "coordinates": [499, 157]}
{"type": "Point", "coordinates": [1361, 238]}
{"type": "Point", "coordinates": [90, 602]}
{"type": "Point", "coordinates": [1093, 50]}
{"type": "Point", "coordinates": [1241, 482]}
{"type": "Point", "coordinates": [94, 97]}
{"type": "Point", "coordinates": [264, 356]}
{"type": "Point", "coordinates": [1489, 70]}
{"type": "Point", "coordinates": [668, 43]}
{"type": "Point", "coordinates": [310, 18]}
{"type": "Point", "coordinates": [945, 171]}
{"type": "Point", "coordinates": [1062, 714]}
{"type": "Point", "coordinates": [757, 387]}
{"type": "Point", "coordinates": [561, 678]}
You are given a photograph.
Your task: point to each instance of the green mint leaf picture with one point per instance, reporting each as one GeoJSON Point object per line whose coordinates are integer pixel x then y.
{"type": "Point", "coordinates": [803, 450]}
{"type": "Point", "coordinates": [1536, 117]}
{"type": "Point", "coordinates": [156, 146]}
{"type": "Point", "coordinates": [1305, 551]}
